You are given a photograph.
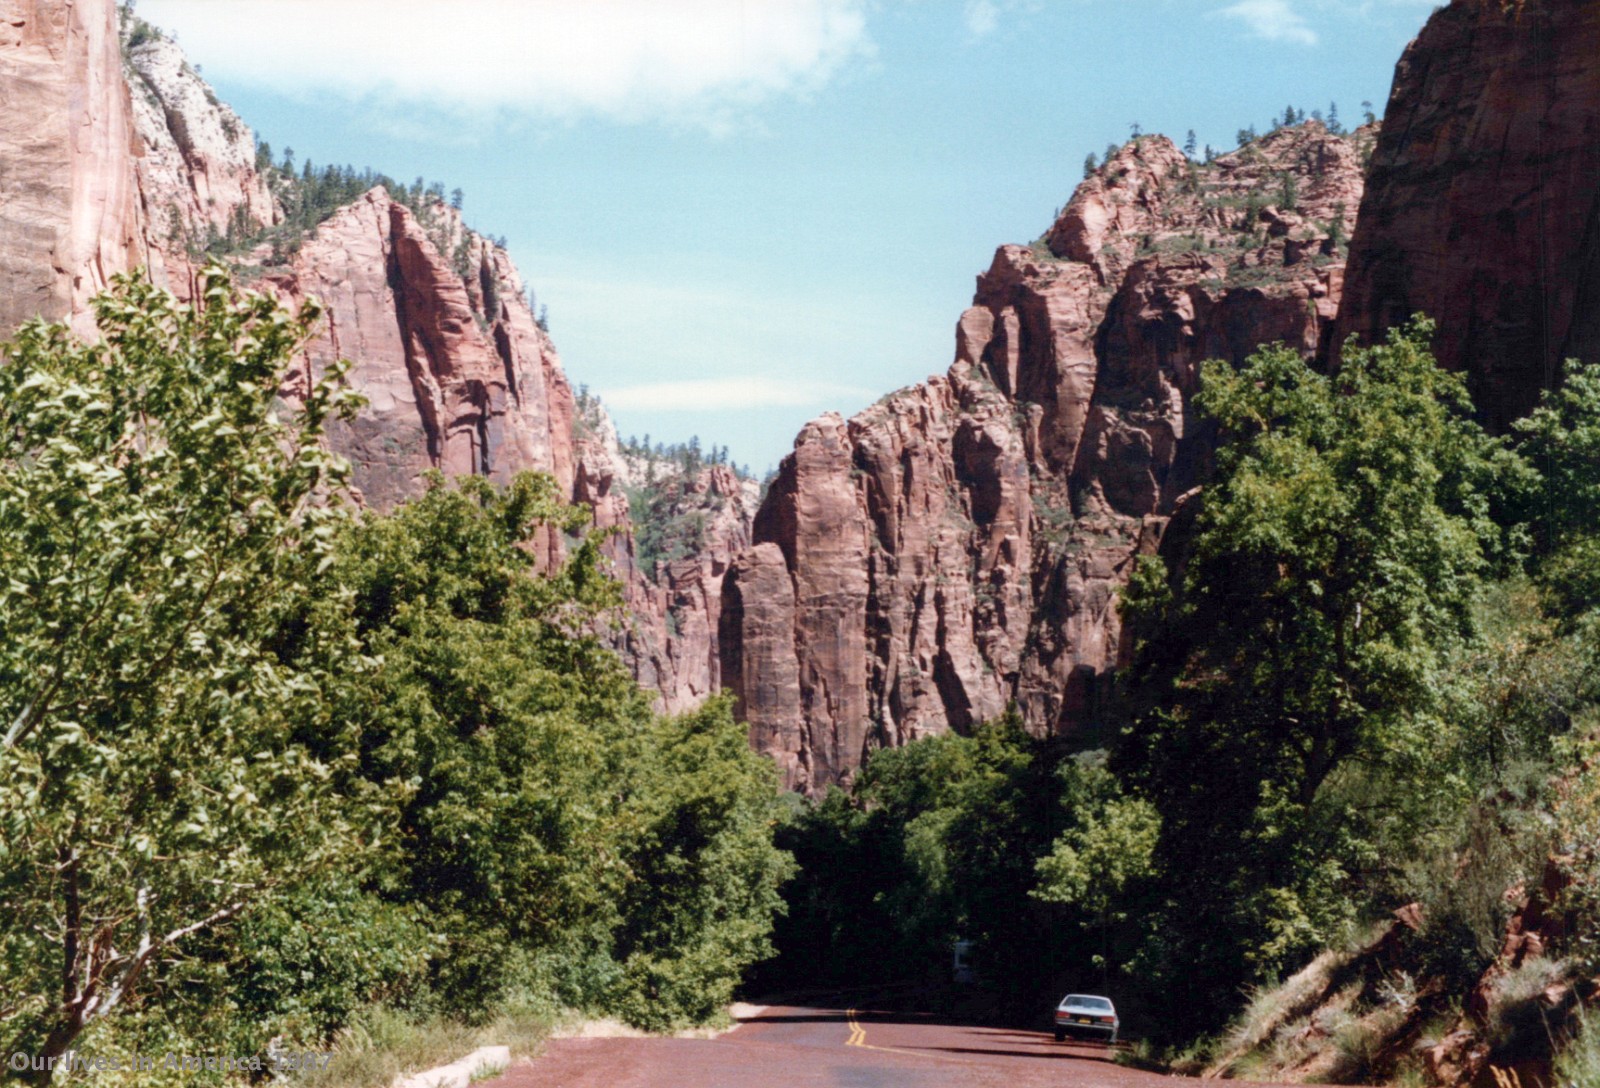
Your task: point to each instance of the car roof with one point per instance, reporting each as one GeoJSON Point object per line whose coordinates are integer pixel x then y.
{"type": "Point", "coordinates": [1084, 997]}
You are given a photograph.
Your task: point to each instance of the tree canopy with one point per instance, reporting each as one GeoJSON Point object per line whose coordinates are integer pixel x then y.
{"type": "Point", "coordinates": [269, 761]}
{"type": "Point", "coordinates": [162, 513]}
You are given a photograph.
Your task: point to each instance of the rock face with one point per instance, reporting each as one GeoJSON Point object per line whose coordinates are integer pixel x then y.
{"type": "Point", "coordinates": [114, 153]}
{"type": "Point", "coordinates": [674, 596]}
{"type": "Point", "coordinates": [197, 169]}
{"type": "Point", "coordinates": [457, 374]}
{"type": "Point", "coordinates": [70, 212]}
{"type": "Point", "coordinates": [958, 546]}
{"type": "Point", "coordinates": [1482, 208]}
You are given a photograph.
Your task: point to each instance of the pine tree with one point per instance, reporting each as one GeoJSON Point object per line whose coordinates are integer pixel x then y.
{"type": "Point", "coordinates": [1289, 193]}
{"type": "Point", "coordinates": [1189, 145]}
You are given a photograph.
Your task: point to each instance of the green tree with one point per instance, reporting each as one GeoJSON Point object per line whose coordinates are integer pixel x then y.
{"type": "Point", "coordinates": [162, 514]}
{"type": "Point", "coordinates": [703, 872]}
{"type": "Point", "coordinates": [940, 840]}
{"type": "Point", "coordinates": [560, 837]}
{"type": "Point", "coordinates": [1561, 440]}
{"type": "Point", "coordinates": [1333, 569]}
{"type": "Point", "coordinates": [1109, 845]}
{"type": "Point", "coordinates": [1288, 192]}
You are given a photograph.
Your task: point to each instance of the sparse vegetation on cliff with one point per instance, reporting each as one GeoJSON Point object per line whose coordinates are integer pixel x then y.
{"type": "Point", "coordinates": [669, 508]}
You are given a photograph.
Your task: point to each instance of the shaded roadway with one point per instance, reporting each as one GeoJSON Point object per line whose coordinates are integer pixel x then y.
{"type": "Point", "coordinates": [783, 1047]}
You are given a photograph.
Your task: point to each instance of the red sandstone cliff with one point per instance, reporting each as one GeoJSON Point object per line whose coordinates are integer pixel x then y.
{"type": "Point", "coordinates": [670, 639]}
{"type": "Point", "coordinates": [1482, 208]}
{"type": "Point", "coordinates": [115, 154]}
{"type": "Point", "coordinates": [959, 544]}
{"type": "Point", "coordinates": [70, 214]}
{"type": "Point", "coordinates": [457, 374]}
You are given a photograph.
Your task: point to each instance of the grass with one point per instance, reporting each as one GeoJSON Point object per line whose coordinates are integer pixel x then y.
{"type": "Point", "coordinates": [1357, 1041]}
{"type": "Point", "coordinates": [382, 1044]}
{"type": "Point", "coordinates": [1578, 1063]}
{"type": "Point", "coordinates": [1272, 1007]}
{"type": "Point", "coordinates": [1516, 1021]}
{"type": "Point", "coordinates": [1141, 1054]}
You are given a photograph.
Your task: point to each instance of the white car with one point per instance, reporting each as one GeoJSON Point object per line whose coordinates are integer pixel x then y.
{"type": "Point", "coordinates": [1086, 1014]}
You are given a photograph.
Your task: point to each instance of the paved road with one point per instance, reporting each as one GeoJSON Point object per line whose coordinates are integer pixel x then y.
{"type": "Point", "coordinates": [831, 1048]}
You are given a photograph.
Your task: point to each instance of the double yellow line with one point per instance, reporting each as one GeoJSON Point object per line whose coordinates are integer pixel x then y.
{"type": "Point", "coordinates": [858, 1034]}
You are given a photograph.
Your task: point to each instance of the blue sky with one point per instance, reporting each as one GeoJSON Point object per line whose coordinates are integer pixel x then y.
{"type": "Point", "coordinates": [744, 214]}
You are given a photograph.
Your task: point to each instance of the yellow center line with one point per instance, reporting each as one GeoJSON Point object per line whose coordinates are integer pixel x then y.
{"type": "Point", "coordinates": [858, 1037]}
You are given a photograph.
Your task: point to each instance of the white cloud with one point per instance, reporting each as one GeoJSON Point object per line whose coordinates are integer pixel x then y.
{"type": "Point", "coordinates": [1273, 20]}
{"type": "Point", "coordinates": [690, 60]}
{"type": "Point", "coordinates": [982, 17]}
{"type": "Point", "coordinates": [721, 394]}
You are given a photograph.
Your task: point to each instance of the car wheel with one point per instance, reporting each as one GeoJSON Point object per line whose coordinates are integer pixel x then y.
{"type": "Point", "coordinates": [1061, 1036]}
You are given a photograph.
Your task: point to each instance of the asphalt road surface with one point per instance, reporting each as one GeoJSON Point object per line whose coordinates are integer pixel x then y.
{"type": "Point", "coordinates": [831, 1048]}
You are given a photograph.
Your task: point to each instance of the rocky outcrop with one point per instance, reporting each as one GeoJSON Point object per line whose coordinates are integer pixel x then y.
{"type": "Point", "coordinates": [958, 546]}
{"type": "Point", "coordinates": [457, 374]}
{"type": "Point", "coordinates": [459, 377]}
{"type": "Point", "coordinates": [1482, 207]}
{"type": "Point", "coordinates": [197, 173]}
{"type": "Point", "coordinates": [70, 214]}
{"type": "Point", "coordinates": [679, 530]}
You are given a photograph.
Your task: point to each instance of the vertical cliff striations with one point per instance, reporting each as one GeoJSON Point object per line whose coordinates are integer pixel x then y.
{"type": "Point", "coordinates": [1482, 207]}
{"type": "Point", "coordinates": [457, 374]}
{"type": "Point", "coordinates": [959, 545]}
{"type": "Point", "coordinates": [70, 214]}
{"type": "Point", "coordinates": [680, 526]}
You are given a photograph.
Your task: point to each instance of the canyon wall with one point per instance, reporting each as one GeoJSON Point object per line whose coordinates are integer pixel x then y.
{"type": "Point", "coordinates": [672, 600]}
{"type": "Point", "coordinates": [1482, 206]}
{"type": "Point", "coordinates": [958, 546]}
{"type": "Point", "coordinates": [116, 154]}
{"type": "Point", "coordinates": [457, 374]}
{"type": "Point", "coordinates": [70, 214]}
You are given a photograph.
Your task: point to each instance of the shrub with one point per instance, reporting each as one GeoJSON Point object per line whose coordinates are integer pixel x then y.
{"type": "Point", "coordinates": [1516, 1025]}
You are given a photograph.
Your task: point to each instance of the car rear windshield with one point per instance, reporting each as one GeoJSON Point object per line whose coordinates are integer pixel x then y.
{"type": "Point", "coordinates": [1086, 1002]}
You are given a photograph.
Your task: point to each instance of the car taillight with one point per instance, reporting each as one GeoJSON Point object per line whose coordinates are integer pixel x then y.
{"type": "Point", "coordinates": [1108, 1019]}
